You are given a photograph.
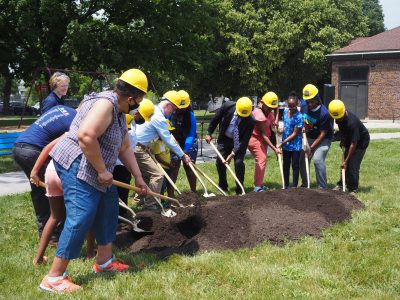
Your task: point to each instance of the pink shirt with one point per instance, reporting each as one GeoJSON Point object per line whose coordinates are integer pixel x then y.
{"type": "Point", "coordinates": [266, 121]}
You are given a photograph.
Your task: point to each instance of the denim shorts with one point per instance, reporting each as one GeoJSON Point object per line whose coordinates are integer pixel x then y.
{"type": "Point", "coordinates": [86, 208]}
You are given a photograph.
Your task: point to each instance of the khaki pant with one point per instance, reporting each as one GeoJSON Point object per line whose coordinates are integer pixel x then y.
{"type": "Point", "coordinates": [151, 173]}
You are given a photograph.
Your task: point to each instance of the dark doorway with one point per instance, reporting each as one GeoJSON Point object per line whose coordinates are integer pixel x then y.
{"type": "Point", "coordinates": [353, 90]}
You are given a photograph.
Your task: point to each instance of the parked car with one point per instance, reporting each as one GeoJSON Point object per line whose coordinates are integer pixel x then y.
{"type": "Point", "coordinates": [16, 108]}
{"type": "Point", "coordinates": [73, 103]}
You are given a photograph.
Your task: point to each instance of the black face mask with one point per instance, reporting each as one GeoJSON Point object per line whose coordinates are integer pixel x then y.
{"type": "Point", "coordinates": [140, 121]}
{"type": "Point", "coordinates": [133, 106]}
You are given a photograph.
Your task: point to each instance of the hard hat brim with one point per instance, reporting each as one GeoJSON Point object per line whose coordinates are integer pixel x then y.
{"type": "Point", "coordinates": [271, 106]}
{"type": "Point", "coordinates": [243, 115]}
{"type": "Point", "coordinates": [309, 97]}
{"type": "Point", "coordinates": [338, 116]}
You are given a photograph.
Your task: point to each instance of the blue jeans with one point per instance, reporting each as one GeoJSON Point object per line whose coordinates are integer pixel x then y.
{"type": "Point", "coordinates": [319, 156]}
{"type": "Point", "coordinates": [86, 208]}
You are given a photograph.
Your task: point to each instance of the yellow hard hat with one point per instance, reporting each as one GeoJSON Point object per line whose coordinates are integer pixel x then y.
{"type": "Point", "coordinates": [309, 91]}
{"type": "Point", "coordinates": [135, 78]}
{"type": "Point", "coordinates": [169, 125]}
{"type": "Point", "coordinates": [270, 99]}
{"type": "Point", "coordinates": [146, 109]}
{"type": "Point", "coordinates": [336, 109]}
{"type": "Point", "coordinates": [128, 119]}
{"type": "Point", "coordinates": [175, 98]}
{"type": "Point", "coordinates": [185, 96]}
{"type": "Point", "coordinates": [244, 107]}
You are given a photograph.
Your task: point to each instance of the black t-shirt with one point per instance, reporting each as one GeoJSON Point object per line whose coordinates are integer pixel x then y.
{"type": "Point", "coordinates": [353, 130]}
{"type": "Point", "coordinates": [316, 121]}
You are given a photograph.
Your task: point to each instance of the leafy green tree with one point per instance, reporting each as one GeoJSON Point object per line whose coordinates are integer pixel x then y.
{"type": "Point", "coordinates": [281, 44]}
{"type": "Point", "coordinates": [32, 34]}
{"type": "Point", "coordinates": [373, 10]}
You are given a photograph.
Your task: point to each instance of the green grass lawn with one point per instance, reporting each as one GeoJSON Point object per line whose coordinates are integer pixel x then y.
{"type": "Point", "coordinates": [7, 164]}
{"type": "Point", "coordinates": [14, 120]}
{"type": "Point", "coordinates": [356, 259]}
{"type": "Point", "coordinates": [383, 130]}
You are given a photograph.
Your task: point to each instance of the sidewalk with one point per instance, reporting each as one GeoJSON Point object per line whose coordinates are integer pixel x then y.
{"type": "Point", "coordinates": [16, 182]}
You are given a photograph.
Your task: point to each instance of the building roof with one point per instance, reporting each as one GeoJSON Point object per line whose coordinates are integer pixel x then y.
{"type": "Point", "coordinates": [382, 45]}
{"type": "Point", "coordinates": [385, 41]}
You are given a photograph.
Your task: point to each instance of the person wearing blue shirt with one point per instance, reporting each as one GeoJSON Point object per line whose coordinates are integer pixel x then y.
{"type": "Point", "coordinates": [150, 132]}
{"type": "Point", "coordinates": [183, 123]}
{"type": "Point", "coordinates": [59, 83]}
{"type": "Point", "coordinates": [318, 126]}
{"type": "Point", "coordinates": [291, 140]}
{"type": "Point", "coordinates": [28, 146]}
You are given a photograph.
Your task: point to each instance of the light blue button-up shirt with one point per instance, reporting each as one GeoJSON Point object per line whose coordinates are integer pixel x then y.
{"type": "Point", "coordinates": [157, 128]}
{"type": "Point", "coordinates": [132, 140]}
{"type": "Point", "coordinates": [229, 130]}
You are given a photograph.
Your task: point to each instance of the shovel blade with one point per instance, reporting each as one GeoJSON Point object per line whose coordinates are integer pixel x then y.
{"type": "Point", "coordinates": [207, 195]}
{"type": "Point", "coordinates": [169, 213]}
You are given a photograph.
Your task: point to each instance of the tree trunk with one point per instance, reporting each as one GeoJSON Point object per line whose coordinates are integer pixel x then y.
{"type": "Point", "coordinates": [7, 92]}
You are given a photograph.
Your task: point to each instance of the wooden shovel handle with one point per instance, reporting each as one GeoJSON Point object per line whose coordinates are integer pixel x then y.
{"type": "Point", "coordinates": [228, 167]}
{"type": "Point", "coordinates": [133, 188]}
{"type": "Point", "coordinates": [209, 179]}
{"type": "Point", "coordinates": [138, 190]}
{"type": "Point", "coordinates": [165, 173]}
{"type": "Point", "coordinates": [198, 177]}
{"type": "Point", "coordinates": [274, 129]}
{"type": "Point", "coordinates": [306, 160]}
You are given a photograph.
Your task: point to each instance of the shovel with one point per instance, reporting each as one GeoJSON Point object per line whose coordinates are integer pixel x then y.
{"type": "Point", "coordinates": [209, 179]}
{"type": "Point", "coordinates": [280, 162]}
{"type": "Point", "coordinates": [165, 173]}
{"type": "Point", "coordinates": [343, 173]}
{"type": "Point", "coordinates": [169, 213]}
{"type": "Point", "coordinates": [306, 160]}
{"type": "Point", "coordinates": [206, 194]}
{"type": "Point", "coordinates": [281, 169]}
{"type": "Point", "coordinates": [166, 213]}
{"type": "Point", "coordinates": [228, 167]}
{"type": "Point", "coordinates": [133, 223]}
{"type": "Point", "coordinates": [138, 190]}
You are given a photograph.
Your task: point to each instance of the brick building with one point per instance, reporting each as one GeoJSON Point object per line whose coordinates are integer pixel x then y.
{"type": "Point", "coordinates": [366, 75]}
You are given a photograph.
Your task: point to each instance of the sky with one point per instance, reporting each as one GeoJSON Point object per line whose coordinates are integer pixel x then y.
{"type": "Point", "coordinates": [391, 11]}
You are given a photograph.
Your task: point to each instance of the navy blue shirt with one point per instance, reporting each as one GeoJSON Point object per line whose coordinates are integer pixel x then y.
{"type": "Point", "coordinates": [48, 127]}
{"type": "Point", "coordinates": [51, 101]}
{"type": "Point", "coordinates": [316, 121]}
{"type": "Point", "coordinates": [353, 130]}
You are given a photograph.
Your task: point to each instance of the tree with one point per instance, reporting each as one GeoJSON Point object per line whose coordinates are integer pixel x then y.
{"type": "Point", "coordinates": [32, 34]}
{"type": "Point", "coordinates": [281, 44]}
{"type": "Point", "coordinates": [372, 9]}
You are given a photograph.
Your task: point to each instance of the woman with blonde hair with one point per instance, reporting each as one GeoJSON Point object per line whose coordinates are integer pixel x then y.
{"type": "Point", "coordinates": [59, 83]}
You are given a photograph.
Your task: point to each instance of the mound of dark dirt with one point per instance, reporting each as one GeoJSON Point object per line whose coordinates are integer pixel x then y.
{"type": "Point", "coordinates": [240, 221]}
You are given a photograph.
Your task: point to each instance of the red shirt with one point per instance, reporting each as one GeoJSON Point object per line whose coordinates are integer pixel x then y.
{"type": "Point", "coordinates": [266, 122]}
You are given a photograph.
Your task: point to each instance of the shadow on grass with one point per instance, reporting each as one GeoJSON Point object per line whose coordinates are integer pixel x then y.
{"type": "Point", "coordinates": [137, 263]}
{"type": "Point", "coordinates": [365, 189]}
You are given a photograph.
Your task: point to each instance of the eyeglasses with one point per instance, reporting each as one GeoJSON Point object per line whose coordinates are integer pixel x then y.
{"type": "Point", "coordinates": [292, 106]}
